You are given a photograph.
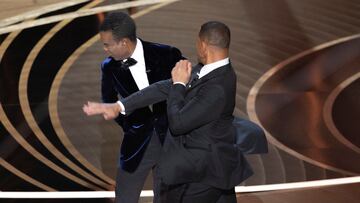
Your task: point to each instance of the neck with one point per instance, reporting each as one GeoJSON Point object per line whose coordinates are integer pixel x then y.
{"type": "Point", "coordinates": [216, 56]}
{"type": "Point", "coordinates": [131, 47]}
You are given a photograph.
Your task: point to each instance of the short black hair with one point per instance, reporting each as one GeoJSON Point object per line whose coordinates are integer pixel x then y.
{"type": "Point", "coordinates": [120, 24]}
{"type": "Point", "coordinates": [215, 33]}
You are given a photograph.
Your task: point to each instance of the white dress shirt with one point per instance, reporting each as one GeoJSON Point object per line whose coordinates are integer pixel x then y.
{"type": "Point", "coordinates": [138, 71]}
{"type": "Point", "coordinates": [206, 69]}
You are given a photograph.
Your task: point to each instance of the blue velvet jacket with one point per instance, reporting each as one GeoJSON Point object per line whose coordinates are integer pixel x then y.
{"type": "Point", "coordinates": [137, 127]}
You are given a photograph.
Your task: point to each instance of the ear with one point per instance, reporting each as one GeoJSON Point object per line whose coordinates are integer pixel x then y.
{"type": "Point", "coordinates": [201, 45]}
{"type": "Point", "coordinates": [118, 41]}
{"type": "Point", "coordinates": [125, 41]}
{"type": "Point", "coordinates": [204, 47]}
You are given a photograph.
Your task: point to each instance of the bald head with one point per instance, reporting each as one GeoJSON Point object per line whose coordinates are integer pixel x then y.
{"type": "Point", "coordinates": [216, 34]}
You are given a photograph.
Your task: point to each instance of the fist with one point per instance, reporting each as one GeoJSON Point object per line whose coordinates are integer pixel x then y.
{"type": "Point", "coordinates": [181, 72]}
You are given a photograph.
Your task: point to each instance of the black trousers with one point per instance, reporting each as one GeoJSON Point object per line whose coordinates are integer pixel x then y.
{"type": "Point", "coordinates": [196, 193]}
{"type": "Point", "coordinates": [129, 185]}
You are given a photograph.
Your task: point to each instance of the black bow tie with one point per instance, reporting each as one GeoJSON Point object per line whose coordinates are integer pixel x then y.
{"type": "Point", "coordinates": [125, 64]}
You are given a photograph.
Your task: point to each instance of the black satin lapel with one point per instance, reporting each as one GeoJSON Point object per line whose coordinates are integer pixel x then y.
{"type": "Point", "coordinates": [152, 72]}
{"type": "Point", "coordinates": [152, 63]}
{"type": "Point", "coordinates": [194, 75]}
{"type": "Point", "coordinates": [125, 79]}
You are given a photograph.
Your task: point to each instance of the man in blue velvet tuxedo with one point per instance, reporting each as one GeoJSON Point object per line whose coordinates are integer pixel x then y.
{"type": "Point", "coordinates": [132, 65]}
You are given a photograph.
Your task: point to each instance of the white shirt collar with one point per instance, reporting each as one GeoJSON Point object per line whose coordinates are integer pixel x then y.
{"type": "Point", "coordinates": [138, 53]}
{"type": "Point", "coordinates": [212, 66]}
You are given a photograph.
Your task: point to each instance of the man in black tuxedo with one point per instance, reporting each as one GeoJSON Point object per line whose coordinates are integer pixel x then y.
{"type": "Point", "coordinates": [200, 162]}
{"type": "Point", "coordinates": [132, 65]}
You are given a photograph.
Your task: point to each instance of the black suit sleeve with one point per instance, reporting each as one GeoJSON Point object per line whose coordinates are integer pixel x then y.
{"type": "Point", "coordinates": [175, 56]}
{"type": "Point", "coordinates": [203, 108]}
{"type": "Point", "coordinates": [152, 94]}
{"type": "Point", "coordinates": [169, 60]}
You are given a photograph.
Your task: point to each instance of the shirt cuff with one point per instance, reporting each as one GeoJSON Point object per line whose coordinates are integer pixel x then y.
{"type": "Point", "coordinates": [122, 107]}
{"type": "Point", "coordinates": [181, 83]}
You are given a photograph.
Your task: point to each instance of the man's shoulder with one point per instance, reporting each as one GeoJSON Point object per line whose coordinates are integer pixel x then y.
{"type": "Point", "coordinates": [159, 48]}
{"type": "Point", "coordinates": [155, 45]}
{"type": "Point", "coordinates": [106, 63]}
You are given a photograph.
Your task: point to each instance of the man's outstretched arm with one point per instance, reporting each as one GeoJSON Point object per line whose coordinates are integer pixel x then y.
{"type": "Point", "coordinates": [150, 95]}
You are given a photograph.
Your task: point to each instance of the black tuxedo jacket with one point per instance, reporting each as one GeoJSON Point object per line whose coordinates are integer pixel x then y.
{"type": "Point", "coordinates": [115, 83]}
{"type": "Point", "coordinates": [200, 146]}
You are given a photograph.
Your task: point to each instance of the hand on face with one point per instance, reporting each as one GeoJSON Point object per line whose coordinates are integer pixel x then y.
{"type": "Point", "coordinates": [109, 111]}
{"type": "Point", "coordinates": [181, 72]}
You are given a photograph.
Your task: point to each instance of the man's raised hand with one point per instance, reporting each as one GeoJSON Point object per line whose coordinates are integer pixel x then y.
{"type": "Point", "coordinates": [181, 72]}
